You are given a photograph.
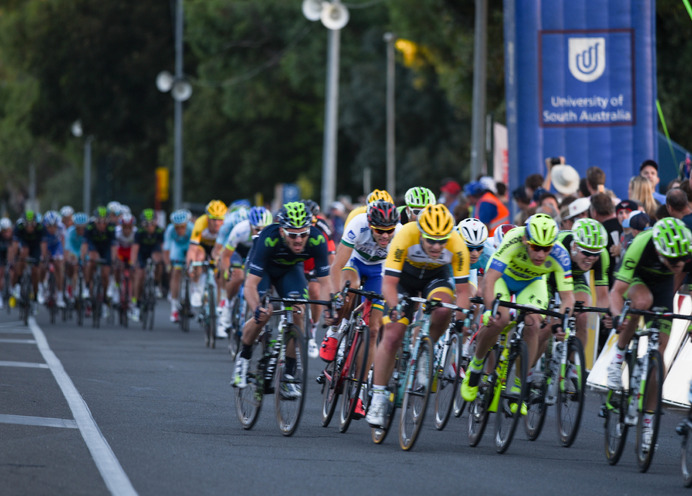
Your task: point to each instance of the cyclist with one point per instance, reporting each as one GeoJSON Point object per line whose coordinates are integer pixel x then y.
{"type": "Point", "coordinates": [52, 249]}
{"type": "Point", "coordinates": [652, 270]}
{"type": "Point", "coordinates": [124, 239]}
{"type": "Point", "coordinates": [416, 199]}
{"type": "Point", "coordinates": [5, 243]}
{"type": "Point", "coordinates": [28, 232]}
{"type": "Point", "coordinates": [475, 233]}
{"type": "Point", "coordinates": [176, 241]}
{"type": "Point", "coordinates": [360, 257]}
{"type": "Point", "coordinates": [66, 214]}
{"type": "Point", "coordinates": [74, 238]}
{"type": "Point", "coordinates": [586, 243]}
{"type": "Point", "coordinates": [99, 239]}
{"type": "Point", "coordinates": [517, 268]}
{"type": "Point", "coordinates": [234, 254]}
{"type": "Point", "coordinates": [309, 267]}
{"type": "Point", "coordinates": [202, 240]}
{"type": "Point", "coordinates": [114, 209]}
{"type": "Point", "coordinates": [276, 261]}
{"type": "Point", "coordinates": [376, 194]}
{"type": "Point", "coordinates": [426, 257]}
{"type": "Point", "coordinates": [147, 244]}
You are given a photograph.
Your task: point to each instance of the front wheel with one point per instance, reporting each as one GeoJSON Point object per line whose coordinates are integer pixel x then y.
{"type": "Point", "coordinates": [248, 400]}
{"type": "Point", "coordinates": [512, 397]}
{"type": "Point", "coordinates": [649, 412]}
{"type": "Point", "coordinates": [447, 375]}
{"type": "Point", "coordinates": [536, 406]}
{"type": "Point", "coordinates": [614, 411]}
{"type": "Point", "coordinates": [417, 394]}
{"type": "Point", "coordinates": [355, 366]}
{"type": "Point", "coordinates": [331, 388]}
{"type": "Point", "coordinates": [570, 396]}
{"type": "Point", "coordinates": [291, 381]}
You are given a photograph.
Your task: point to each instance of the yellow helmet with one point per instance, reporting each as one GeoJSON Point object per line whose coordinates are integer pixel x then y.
{"type": "Point", "coordinates": [216, 209]}
{"type": "Point", "coordinates": [380, 194]}
{"type": "Point", "coordinates": [435, 221]}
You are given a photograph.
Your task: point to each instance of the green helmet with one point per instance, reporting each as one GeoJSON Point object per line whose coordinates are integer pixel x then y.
{"type": "Point", "coordinates": [419, 197]}
{"type": "Point", "coordinates": [147, 215]}
{"type": "Point", "coordinates": [672, 238]}
{"type": "Point", "coordinates": [589, 234]}
{"type": "Point", "coordinates": [100, 212]}
{"type": "Point", "coordinates": [541, 230]}
{"type": "Point", "coordinates": [294, 215]}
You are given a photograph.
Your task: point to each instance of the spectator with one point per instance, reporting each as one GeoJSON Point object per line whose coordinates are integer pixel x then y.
{"type": "Point", "coordinates": [531, 184]}
{"type": "Point", "coordinates": [502, 192]}
{"type": "Point", "coordinates": [678, 206]}
{"type": "Point", "coordinates": [633, 225]}
{"type": "Point", "coordinates": [565, 179]}
{"type": "Point", "coordinates": [595, 180]}
{"type": "Point", "coordinates": [649, 170]}
{"type": "Point", "coordinates": [577, 209]}
{"type": "Point", "coordinates": [675, 183]}
{"type": "Point", "coordinates": [547, 204]}
{"type": "Point", "coordinates": [486, 206]}
{"type": "Point", "coordinates": [641, 190]}
{"type": "Point", "coordinates": [521, 200]}
{"type": "Point", "coordinates": [624, 209]}
{"type": "Point", "coordinates": [584, 188]}
{"type": "Point", "coordinates": [603, 210]}
{"type": "Point", "coordinates": [450, 191]}
{"type": "Point", "coordinates": [337, 215]}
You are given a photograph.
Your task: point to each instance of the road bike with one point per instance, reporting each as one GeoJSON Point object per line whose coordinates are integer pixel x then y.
{"type": "Point", "coordinates": [184, 305]}
{"type": "Point", "coordinates": [147, 301]}
{"type": "Point", "coordinates": [51, 287]}
{"type": "Point", "coordinates": [278, 366]}
{"type": "Point", "coordinates": [207, 313]}
{"type": "Point", "coordinates": [239, 312]}
{"type": "Point", "coordinates": [125, 295]}
{"type": "Point", "coordinates": [26, 290]}
{"type": "Point", "coordinates": [642, 384]}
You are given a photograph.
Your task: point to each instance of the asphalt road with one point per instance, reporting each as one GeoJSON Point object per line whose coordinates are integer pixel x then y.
{"type": "Point", "coordinates": [127, 411]}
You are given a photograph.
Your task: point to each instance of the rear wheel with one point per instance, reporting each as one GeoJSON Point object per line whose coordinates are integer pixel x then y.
{"type": "Point", "coordinates": [248, 401]}
{"type": "Point", "coordinates": [614, 411]}
{"type": "Point", "coordinates": [644, 448]}
{"type": "Point", "coordinates": [478, 408]}
{"type": "Point", "coordinates": [686, 456]}
{"type": "Point", "coordinates": [331, 388]}
{"type": "Point", "coordinates": [447, 376]}
{"type": "Point", "coordinates": [512, 398]}
{"type": "Point", "coordinates": [394, 388]}
{"type": "Point", "coordinates": [291, 381]}
{"type": "Point", "coordinates": [417, 395]}
{"type": "Point", "coordinates": [355, 367]}
{"type": "Point", "coordinates": [570, 396]}
{"type": "Point", "coordinates": [185, 307]}
{"type": "Point", "coordinates": [97, 302]}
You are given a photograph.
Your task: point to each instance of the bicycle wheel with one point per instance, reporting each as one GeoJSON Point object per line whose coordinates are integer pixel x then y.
{"type": "Point", "coordinates": [209, 319]}
{"type": "Point", "coordinates": [290, 387]}
{"type": "Point", "coordinates": [96, 302]}
{"type": "Point", "coordinates": [248, 400]}
{"type": "Point", "coordinates": [331, 388]}
{"type": "Point", "coordinates": [185, 308]}
{"type": "Point", "coordinates": [52, 304]}
{"type": "Point", "coordinates": [354, 372]}
{"type": "Point", "coordinates": [79, 302]}
{"type": "Point", "coordinates": [465, 359]}
{"type": "Point", "coordinates": [535, 403]}
{"type": "Point", "coordinates": [652, 394]}
{"type": "Point", "coordinates": [237, 320]}
{"type": "Point", "coordinates": [570, 396]}
{"type": "Point", "coordinates": [447, 376]}
{"type": "Point", "coordinates": [478, 408]}
{"type": "Point", "coordinates": [512, 397]}
{"type": "Point", "coordinates": [124, 305]}
{"type": "Point", "coordinates": [614, 411]}
{"type": "Point", "coordinates": [686, 458]}
{"type": "Point", "coordinates": [416, 396]}
{"type": "Point", "coordinates": [151, 304]}
{"type": "Point", "coordinates": [25, 296]}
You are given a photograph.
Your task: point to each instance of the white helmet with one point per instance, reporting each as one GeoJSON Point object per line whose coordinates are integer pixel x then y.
{"type": "Point", "coordinates": [500, 233]}
{"type": "Point", "coordinates": [473, 231]}
{"type": "Point", "coordinates": [5, 223]}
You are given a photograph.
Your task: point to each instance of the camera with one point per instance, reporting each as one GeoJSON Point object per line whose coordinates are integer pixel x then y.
{"type": "Point", "coordinates": [555, 160]}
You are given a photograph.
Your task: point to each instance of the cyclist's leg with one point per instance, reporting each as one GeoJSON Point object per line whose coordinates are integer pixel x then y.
{"type": "Point", "coordinates": [535, 295]}
{"type": "Point", "coordinates": [443, 290]}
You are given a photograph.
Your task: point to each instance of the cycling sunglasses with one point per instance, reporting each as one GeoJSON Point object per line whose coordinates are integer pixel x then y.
{"type": "Point", "coordinates": [380, 230]}
{"type": "Point", "coordinates": [294, 235]}
{"type": "Point", "coordinates": [677, 260]}
{"type": "Point", "coordinates": [476, 248]}
{"type": "Point", "coordinates": [546, 249]}
{"type": "Point", "coordinates": [588, 253]}
{"type": "Point", "coordinates": [416, 211]}
{"type": "Point", "coordinates": [436, 241]}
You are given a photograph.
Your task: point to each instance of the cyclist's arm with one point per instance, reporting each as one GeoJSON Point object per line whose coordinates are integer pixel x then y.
{"type": "Point", "coordinates": [389, 290]}
{"type": "Point", "coordinates": [463, 291]}
{"type": "Point", "coordinates": [617, 296]}
{"type": "Point", "coordinates": [343, 253]}
{"type": "Point", "coordinates": [134, 253]}
{"type": "Point", "coordinates": [250, 291]}
{"type": "Point", "coordinates": [566, 300]}
{"type": "Point", "coordinates": [490, 278]}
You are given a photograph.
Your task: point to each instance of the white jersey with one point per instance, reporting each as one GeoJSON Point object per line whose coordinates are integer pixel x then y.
{"type": "Point", "coordinates": [359, 237]}
{"type": "Point", "coordinates": [241, 234]}
{"type": "Point", "coordinates": [231, 220]}
{"type": "Point", "coordinates": [124, 241]}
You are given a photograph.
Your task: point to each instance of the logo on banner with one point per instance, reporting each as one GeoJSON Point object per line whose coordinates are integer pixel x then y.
{"type": "Point", "coordinates": [587, 59]}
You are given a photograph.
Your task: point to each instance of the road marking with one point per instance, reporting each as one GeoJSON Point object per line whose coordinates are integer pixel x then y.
{"type": "Point", "coordinates": [18, 341]}
{"type": "Point", "coordinates": [14, 330]}
{"type": "Point", "coordinates": [38, 421]}
{"type": "Point", "coordinates": [111, 471]}
{"type": "Point", "coordinates": [24, 364]}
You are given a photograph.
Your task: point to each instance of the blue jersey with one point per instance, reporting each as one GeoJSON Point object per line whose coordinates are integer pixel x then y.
{"type": "Point", "coordinates": [73, 241]}
{"type": "Point", "coordinates": [53, 243]}
{"type": "Point", "coordinates": [177, 245]}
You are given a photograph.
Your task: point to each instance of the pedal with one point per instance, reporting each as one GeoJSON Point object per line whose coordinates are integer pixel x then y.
{"type": "Point", "coordinates": [603, 412]}
{"type": "Point", "coordinates": [320, 379]}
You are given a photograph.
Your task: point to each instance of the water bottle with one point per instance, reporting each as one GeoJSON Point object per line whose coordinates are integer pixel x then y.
{"type": "Point", "coordinates": [631, 417]}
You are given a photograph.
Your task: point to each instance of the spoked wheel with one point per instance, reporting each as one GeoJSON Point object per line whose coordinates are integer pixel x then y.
{"type": "Point", "coordinates": [238, 313]}
{"type": "Point", "coordinates": [417, 395]}
{"type": "Point", "coordinates": [97, 304]}
{"type": "Point", "coordinates": [291, 381]}
{"type": "Point", "coordinates": [478, 408]}
{"type": "Point", "coordinates": [570, 396]}
{"type": "Point", "coordinates": [331, 388]}
{"type": "Point", "coordinates": [52, 304]}
{"type": "Point", "coordinates": [209, 322]}
{"type": "Point", "coordinates": [512, 398]}
{"type": "Point", "coordinates": [394, 388]}
{"type": "Point", "coordinates": [248, 400]}
{"type": "Point", "coordinates": [536, 406]}
{"type": "Point", "coordinates": [465, 359]}
{"type": "Point", "coordinates": [645, 448]}
{"type": "Point", "coordinates": [686, 456]}
{"type": "Point", "coordinates": [185, 307]}
{"type": "Point", "coordinates": [355, 366]}
{"type": "Point", "coordinates": [614, 411]}
{"type": "Point", "coordinates": [447, 382]}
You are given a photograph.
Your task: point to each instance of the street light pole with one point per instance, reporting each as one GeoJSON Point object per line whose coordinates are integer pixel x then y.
{"type": "Point", "coordinates": [389, 38]}
{"type": "Point", "coordinates": [86, 193]}
{"type": "Point", "coordinates": [178, 111]}
{"type": "Point", "coordinates": [480, 51]}
{"type": "Point", "coordinates": [331, 113]}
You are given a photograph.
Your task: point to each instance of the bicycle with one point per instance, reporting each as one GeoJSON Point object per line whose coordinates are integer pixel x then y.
{"type": "Point", "coordinates": [98, 294]}
{"type": "Point", "coordinates": [467, 351]}
{"type": "Point", "coordinates": [268, 369]}
{"type": "Point", "coordinates": [559, 380]}
{"type": "Point", "coordinates": [124, 305]}
{"type": "Point", "coordinates": [239, 311]}
{"type": "Point", "coordinates": [147, 302]}
{"type": "Point", "coordinates": [7, 287]}
{"type": "Point", "coordinates": [446, 380]}
{"type": "Point", "coordinates": [207, 315]}
{"type": "Point", "coordinates": [684, 429]}
{"type": "Point", "coordinates": [79, 302]}
{"type": "Point", "coordinates": [410, 384]}
{"type": "Point", "coordinates": [26, 290]}
{"type": "Point", "coordinates": [343, 376]}
{"type": "Point", "coordinates": [626, 406]}
{"type": "Point", "coordinates": [503, 388]}
{"type": "Point", "coordinates": [184, 305]}
{"type": "Point", "coordinates": [51, 302]}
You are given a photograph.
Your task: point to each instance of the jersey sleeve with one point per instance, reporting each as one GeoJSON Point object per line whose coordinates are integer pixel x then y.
{"type": "Point", "coordinates": [317, 246]}
{"type": "Point", "coordinates": [601, 272]}
{"type": "Point", "coordinates": [198, 229]}
{"type": "Point", "coordinates": [562, 267]}
{"type": "Point", "coordinates": [398, 248]}
{"type": "Point", "coordinates": [633, 255]}
{"type": "Point", "coordinates": [460, 258]}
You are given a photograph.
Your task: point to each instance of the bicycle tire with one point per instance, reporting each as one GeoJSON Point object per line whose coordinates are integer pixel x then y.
{"type": "Point", "coordinates": [654, 376]}
{"type": "Point", "coordinates": [615, 426]}
{"type": "Point", "coordinates": [151, 302]}
{"type": "Point", "coordinates": [248, 400]}
{"type": "Point", "coordinates": [459, 403]}
{"type": "Point", "coordinates": [537, 408]}
{"type": "Point", "coordinates": [447, 376]}
{"type": "Point", "coordinates": [79, 301]}
{"type": "Point", "coordinates": [289, 410]}
{"type": "Point", "coordinates": [333, 383]}
{"type": "Point", "coordinates": [686, 459]}
{"type": "Point", "coordinates": [96, 301]}
{"type": "Point", "coordinates": [478, 408]}
{"type": "Point", "coordinates": [52, 304]}
{"type": "Point", "coordinates": [570, 396]}
{"type": "Point", "coordinates": [209, 317]}
{"type": "Point", "coordinates": [509, 409]}
{"type": "Point", "coordinates": [185, 307]}
{"type": "Point", "coordinates": [353, 379]}
{"type": "Point", "coordinates": [25, 296]}
{"type": "Point", "coordinates": [416, 397]}
{"type": "Point", "coordinates": [394, 386]}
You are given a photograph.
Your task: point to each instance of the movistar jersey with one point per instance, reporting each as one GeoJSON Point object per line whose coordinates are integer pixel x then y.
{"type": "Point", "coordinates": [270, 251]}
{"type": "Point", "coordinates": [512, 260]}
{"type": "Point", "coordinates": [359, 237]}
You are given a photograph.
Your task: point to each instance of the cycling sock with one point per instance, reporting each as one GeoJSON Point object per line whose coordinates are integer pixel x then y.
{"type": "Point", "coordinates": [246, 351]}
{"type": "Point", "coordinates": [619, 355]}
{"type": "Point", "coordinates": [291, 366]}
{"type": "Point", "coordinates": [476, 365]}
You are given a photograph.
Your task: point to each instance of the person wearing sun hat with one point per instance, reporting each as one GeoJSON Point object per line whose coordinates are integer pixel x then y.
{"type": "Point", "coordinates": [565, 179]}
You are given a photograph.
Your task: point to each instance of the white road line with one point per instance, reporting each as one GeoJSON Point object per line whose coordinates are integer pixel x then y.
{"type": "Point", "coordinates": [111, 471]}
{"type": "Point", "coordinates": [24, 364]}
{"type": "Point", "coordinates": [11, 324]}
{"type": "Point", "coordinates": [38, 421]}
{"type": "Point", "coordinates": [18, 341]}
{"type": "Point", "coordinates": [14, 330]}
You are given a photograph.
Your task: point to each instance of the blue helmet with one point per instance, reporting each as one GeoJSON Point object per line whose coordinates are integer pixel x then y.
{"type": "Point", "coordinates": [51, 218]}
{"type": "Point", "coordinates": [474, 188]}
{"type": "Point", "coordinates": [260, 217]}
{"type": "Point", "coordinates": [239, 204]}
{"type": "Point", "coordinates": [80, 219]}
{"type": "Point", "coordinates": [181, 216]}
